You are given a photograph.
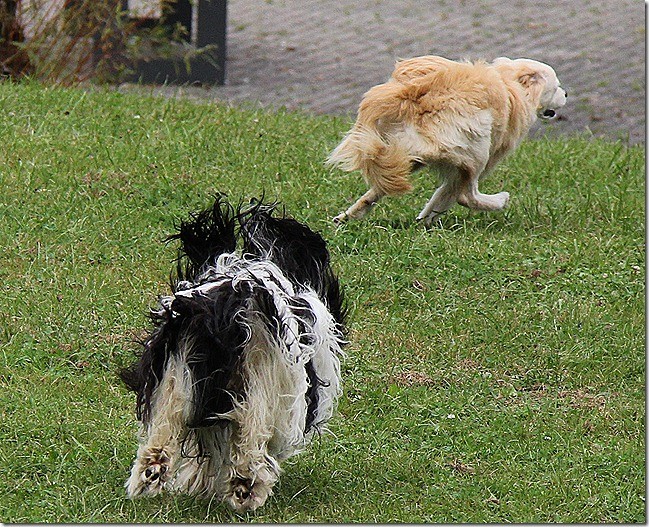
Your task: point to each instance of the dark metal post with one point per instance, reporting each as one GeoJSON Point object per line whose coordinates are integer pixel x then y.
{"type": "Point", "coordinates": [208, 64]}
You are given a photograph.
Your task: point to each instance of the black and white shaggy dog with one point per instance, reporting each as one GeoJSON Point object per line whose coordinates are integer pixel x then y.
{"type": "Point", "coordinates": [242, 367]}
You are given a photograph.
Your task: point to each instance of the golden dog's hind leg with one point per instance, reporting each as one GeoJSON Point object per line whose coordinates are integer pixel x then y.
{"type": "Point", "coordinates": [362, 206]}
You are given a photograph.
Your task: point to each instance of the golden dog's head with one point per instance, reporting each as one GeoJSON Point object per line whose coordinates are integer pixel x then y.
{"type": "Point", "coordinates": [539, 80]}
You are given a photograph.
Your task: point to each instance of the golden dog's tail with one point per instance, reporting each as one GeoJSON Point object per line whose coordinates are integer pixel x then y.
{"type": "Point", "coordinates": [384, 162]}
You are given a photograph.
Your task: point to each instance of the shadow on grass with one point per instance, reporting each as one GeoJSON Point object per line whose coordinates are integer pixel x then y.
{"type": "Point", "coordinates": [396, 224]}
{"type": "Point", "coordinates": [450, 222]}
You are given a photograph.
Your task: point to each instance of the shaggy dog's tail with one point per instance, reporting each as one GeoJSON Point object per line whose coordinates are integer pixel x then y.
{"type": "Point", "coordinates": [384, 162]}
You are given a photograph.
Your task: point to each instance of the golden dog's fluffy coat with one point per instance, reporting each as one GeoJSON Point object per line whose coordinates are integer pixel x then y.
{"type": "Point", "coordinates": [460, 117]}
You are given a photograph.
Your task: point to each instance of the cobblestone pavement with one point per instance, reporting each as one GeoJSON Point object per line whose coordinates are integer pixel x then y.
{"type": "Point", "coordinates": [322, 55]}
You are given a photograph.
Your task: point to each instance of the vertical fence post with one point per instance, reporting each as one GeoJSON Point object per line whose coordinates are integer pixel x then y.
{"type": "Point", "coordinates": [205, 22]}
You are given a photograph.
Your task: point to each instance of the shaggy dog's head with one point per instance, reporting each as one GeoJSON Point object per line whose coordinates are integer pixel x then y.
{"type": "Point", "coordinates": [539, 81]}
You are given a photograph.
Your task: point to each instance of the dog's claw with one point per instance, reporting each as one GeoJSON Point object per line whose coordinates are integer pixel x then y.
{"type": "Point", "coordinates": [341, 218]}
{"type": "Point", "coordinates": [432, 218]}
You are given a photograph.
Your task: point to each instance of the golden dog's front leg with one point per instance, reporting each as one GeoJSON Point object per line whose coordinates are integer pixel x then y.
{"type": "Point", "coordinates": [472, 198]}
{"type": "Point", "coordinates": [443, 198]}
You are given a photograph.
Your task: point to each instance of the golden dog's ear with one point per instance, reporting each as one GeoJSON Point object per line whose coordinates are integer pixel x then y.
{"type": "Point", "coordinates": [533, 83]}
{"type": "Point", "coordinates": [529, 77]}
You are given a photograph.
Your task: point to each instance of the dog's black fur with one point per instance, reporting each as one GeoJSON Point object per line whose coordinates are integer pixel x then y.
{"type": "Point", "coordinates": [211, 319]}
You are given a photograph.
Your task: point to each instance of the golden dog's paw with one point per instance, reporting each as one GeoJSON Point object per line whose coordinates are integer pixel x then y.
{"type": "Point", "coordinates": [504, 199]}
{"type": "Point", "coordinates": [341, 218]}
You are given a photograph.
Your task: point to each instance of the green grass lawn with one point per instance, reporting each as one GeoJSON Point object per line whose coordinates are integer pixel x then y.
{"type": "Point", "coordinates": [496, 371]}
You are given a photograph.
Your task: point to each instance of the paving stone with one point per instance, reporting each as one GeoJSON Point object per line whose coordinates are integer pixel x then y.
{"type": "Point", "coordinates": [321, 56]}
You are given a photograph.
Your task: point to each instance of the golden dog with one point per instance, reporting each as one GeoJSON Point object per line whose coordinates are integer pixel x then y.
{"type": "Point", "coordinates": [459, 117]}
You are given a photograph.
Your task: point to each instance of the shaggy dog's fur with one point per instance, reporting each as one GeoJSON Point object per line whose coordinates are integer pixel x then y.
{"type": "Point", "coordinates": [459, 117]}
{"type": "Point", "coordinates": [242, 367]}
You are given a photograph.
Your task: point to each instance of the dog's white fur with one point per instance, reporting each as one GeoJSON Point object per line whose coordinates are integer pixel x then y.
{"type": "Point", "coordinates": [459, 117]}
{"type": "Point", "coordinates": [240, 459]}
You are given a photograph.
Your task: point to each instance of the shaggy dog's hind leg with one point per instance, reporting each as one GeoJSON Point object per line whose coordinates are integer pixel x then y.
{"type": "Point", "coordinates": [268, 422]}
{"type": "Point", "coordinates": [253, 472]}
{"type": "Point", "coordinates": [252, 483]}
{"type": "Point", "coordinates": [161, 436]}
